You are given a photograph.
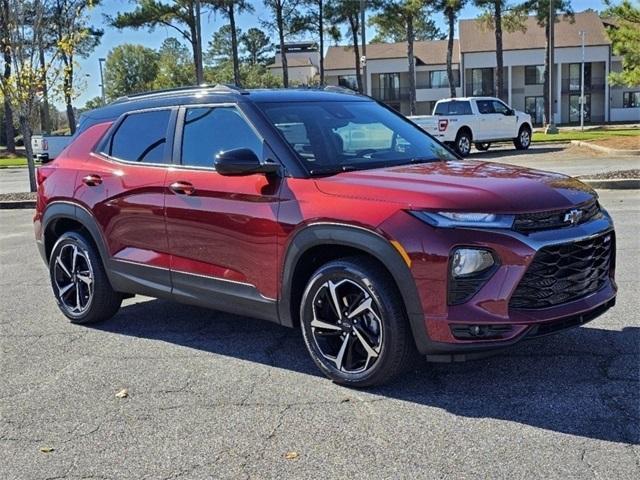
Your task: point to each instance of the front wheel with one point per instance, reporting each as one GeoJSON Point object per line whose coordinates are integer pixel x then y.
{"type": "Point", "coordinates": [354, 325]}
{"type": "Point", "coordinates": [523, 140]}
{"type": "Point", "coordinates": [463, 143]}
{"type": "Point", "coordinates": [80, 284]}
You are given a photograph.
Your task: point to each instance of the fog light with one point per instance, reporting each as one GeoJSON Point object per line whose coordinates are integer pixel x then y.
{"type": "Point", "coordinates": [467, 261]}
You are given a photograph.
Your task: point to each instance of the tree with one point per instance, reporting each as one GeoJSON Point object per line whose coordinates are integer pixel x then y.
{"type": "Point", "coordinates": [316, 22]}
{"type": "Point", "coordinates": [395, 31]}
{"type": "Point", "coordinates": [257, 44]}
{"type": "Point", "coordinates": [451, 10]}
{"type": "Point", "coordinates": [625, 37]}
{"type": "Point", "coordinates": [6, 77]}
{"type": "Point", "coordinates": [251, 75]}
{"type": "Point", "coordinates": [229, 8]}
{"type": "Point", "coordinates": [174, 65]}
{"type": "Point", "coordinates": [220, 48]}
{"type": "Point", "coordinates": [399, 19]}
{"type": "Point", "coordinates": [181, 15]}
{"type": "Point", "coordinates": [130, 69]}
{"type": "Point", "coordinates": [498, 15]}
{"type": "Point", "coordinates": [288, 20]}
{"type": "Point", "coordinates": [73, 37]}
{"type": "Point", "coordinates": [95, 102]}
{"type": "Point", "coordinates": [540, 9]}
{"type": "Point", "coordinates": [348, 12]}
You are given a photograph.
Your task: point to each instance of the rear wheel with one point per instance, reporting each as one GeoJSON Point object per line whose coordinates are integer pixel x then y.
{"type": "Point", "coordinates": [463, 143]}
{"type": "Point", "coordinates": [523, 140]}
{"type": "Point", "coordinates": [354, 325]}
{"type": "Point", "coordinates": [80, 284]}
{"type": "Point", "coordinates": [483, 147]}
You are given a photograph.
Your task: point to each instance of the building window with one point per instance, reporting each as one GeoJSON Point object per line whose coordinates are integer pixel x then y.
{"type": "Point", "coordinates": [575, 76]}
{"type": "Point", "coordinates": [574, 108]}
{"type": "Point", "coordinates": [348, 81]}
{"type": "Point", "coordinates": [482, 81]}
{"type": "Point", "coordinates": [630, 99]}
{"type": "Point", "coordinates": [440, 79]}
{"type": "Point", "coordinates": [534, 75]}
{"type": "Point", "coordinates": [534, 106]}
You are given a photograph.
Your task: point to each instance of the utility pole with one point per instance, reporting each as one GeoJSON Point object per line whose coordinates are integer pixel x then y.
{"type": "Point", "coordinates": [100, 62]}
{"type": "Point", "coordinates": [551, 128]}
{"type": "Point", "coordinates": [582, 34]}
{"type": "Point", "coordinates": [363, 60]}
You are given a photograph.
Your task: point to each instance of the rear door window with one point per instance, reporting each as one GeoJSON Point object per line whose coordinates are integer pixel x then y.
{"type": "Point", "coordinates": [142, 137]}
{"type": "Point", "coordinates": [442, 108]}
{"type": "Point", "coordinates": [459, 108]}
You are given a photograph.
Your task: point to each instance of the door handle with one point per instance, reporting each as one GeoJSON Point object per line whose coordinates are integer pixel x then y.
{"type": "Point", "coordinates": [182, 188]}
{"type": "Point", "coordinates": [92, 180]}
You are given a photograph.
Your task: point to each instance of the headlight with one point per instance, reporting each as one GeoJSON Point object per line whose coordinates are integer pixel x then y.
{"type": "Point", "coordinates": [467, 261]}
{"type": "Point", "coordinates": [457, 219]}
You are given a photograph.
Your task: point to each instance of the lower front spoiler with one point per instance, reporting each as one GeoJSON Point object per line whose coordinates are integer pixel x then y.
{"type": "Point", "coordinates": [464, 352]}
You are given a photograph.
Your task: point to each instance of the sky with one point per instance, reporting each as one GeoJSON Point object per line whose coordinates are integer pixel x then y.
{"type": "Point", "coordinates": [89, 71]}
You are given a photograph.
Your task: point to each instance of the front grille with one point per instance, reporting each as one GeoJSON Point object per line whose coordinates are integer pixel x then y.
{"type": "Point", "coordinates": [532, 222]}
{"type": "Point", "coordinates": [565, 272]}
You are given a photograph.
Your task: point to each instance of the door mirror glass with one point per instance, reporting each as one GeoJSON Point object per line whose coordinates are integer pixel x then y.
{"type": "Point", "coordinates": [241, 161]}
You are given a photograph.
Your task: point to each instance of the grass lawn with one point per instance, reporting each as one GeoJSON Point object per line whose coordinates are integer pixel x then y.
{"type": "Point", "coordinates": [601, 133]}
{"type": "Point", "coordinates": [6, 162]}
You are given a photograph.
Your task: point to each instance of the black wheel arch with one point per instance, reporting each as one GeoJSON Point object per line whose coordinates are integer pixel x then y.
{"type": "Point", "coordinates": [354, 240]}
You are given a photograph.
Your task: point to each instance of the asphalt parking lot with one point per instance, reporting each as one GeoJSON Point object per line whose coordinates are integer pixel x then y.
{"type": "Point", "coordinates": [212, 395]}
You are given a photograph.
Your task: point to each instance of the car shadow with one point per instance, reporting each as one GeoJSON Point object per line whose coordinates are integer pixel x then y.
{"type": "Point", "coordinates": [582, 382]}
{"type": "Point", "coordinates": [511, 152]}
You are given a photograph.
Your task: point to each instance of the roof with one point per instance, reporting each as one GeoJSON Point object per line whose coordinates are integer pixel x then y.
{"type": "Point", "coordinates": [432, 52]}
{"type": "Point", "coordinates": [475, 37]}
{"type": "Point", "coordinates": [291, 62]}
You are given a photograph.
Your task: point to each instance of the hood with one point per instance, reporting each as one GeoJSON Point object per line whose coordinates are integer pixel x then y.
{"type": "Point", "coordinates": [462, 186]}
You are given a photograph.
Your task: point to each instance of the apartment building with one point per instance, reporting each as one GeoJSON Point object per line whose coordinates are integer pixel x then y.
{"type": "Point", "coordinates": [303, 62]}
{"type": "Point", "coordinates": [475, 66]}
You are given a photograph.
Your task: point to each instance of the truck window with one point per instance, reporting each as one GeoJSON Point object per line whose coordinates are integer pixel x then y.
{"type": "Point", "coordinates": [442, 108]}
{"type": "Point", "coordinates": [459, 108]}
{"type": "Point", "coordinates": [485, 106]}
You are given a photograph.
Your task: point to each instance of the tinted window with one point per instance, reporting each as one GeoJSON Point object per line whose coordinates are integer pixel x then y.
{"type": "Point", "coordinates": [459, 108]}
{"type": "Point", "coordinates": [485, 106]}
{"type": "Point", "coordinates": [211, 130]}
{"type": "Point", "coordinates": [141, 137]}
{"type": "Point", "coordinates": [499, 107]}
{"type": "Point", "coordinates": [442, 108]}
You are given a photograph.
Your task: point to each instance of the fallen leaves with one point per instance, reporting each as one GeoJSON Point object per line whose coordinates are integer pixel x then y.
{"type": "Point", "coordinates": [124, 393]}
{"type": "Point", "coordinates": [291, 455]}
{"type": "Point", "coordinates": [47, 449]}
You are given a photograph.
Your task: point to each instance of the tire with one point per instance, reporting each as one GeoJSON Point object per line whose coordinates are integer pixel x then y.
{"type": "Point", "coordinates": [523, 140]}
{"type": "Point", "coordinates": [83, 293]}
{"type": "Point", "coordinates": [463, 143]}
{"type": "Point", "coordinates": [358, 283]}
{"type": "Point", "coordinates": [483, 147]}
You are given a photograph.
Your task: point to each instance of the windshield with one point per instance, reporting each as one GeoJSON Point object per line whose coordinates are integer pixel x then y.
{"type": "Point", "coordinates": [331, 137]}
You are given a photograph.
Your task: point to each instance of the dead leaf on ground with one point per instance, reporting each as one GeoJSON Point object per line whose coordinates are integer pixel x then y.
{"type": "Point", "coordinates": [291, 455]}
{"type": "Point", "coordinates": [124, 393]}
{"type": "Point", "coordinates": [47, 449]}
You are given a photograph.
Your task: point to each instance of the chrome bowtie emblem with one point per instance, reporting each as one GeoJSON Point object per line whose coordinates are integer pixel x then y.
{"type": "Point", "coordinates": [573, 216]}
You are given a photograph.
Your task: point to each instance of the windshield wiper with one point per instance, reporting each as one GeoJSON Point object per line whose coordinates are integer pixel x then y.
{"type": "Point", "coordinates": [332, 170]}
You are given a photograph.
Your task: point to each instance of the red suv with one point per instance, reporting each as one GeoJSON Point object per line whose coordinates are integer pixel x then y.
{"type": "Point", "coordinates": [323, 210]}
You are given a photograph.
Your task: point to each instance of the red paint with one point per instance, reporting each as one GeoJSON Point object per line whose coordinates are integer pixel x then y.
{"type": "Point", "coordinates": [238, 228]}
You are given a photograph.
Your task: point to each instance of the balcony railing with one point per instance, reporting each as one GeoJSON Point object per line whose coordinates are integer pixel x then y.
{"type": "Point", "coordinates": [390, 94]}
{"type": "Point", "coordinates": [572, 85]}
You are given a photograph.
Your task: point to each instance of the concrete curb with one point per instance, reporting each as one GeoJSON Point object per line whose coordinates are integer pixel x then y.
{"type": "Point", "coordinates": [15, 204]}
{"type": "Point", "coordinates": [600, 148]}
{"type": "Point", "coordinates": [614, 183]}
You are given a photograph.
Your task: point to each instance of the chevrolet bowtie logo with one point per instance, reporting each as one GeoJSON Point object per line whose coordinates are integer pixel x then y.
{"type": "Point", "coordinates": [573, 216]}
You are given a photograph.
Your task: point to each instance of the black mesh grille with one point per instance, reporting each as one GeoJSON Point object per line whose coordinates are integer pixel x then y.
{"type": "Point", "coordinates": [566, 272]}
{"type": "Point", "coordinates": [531, 222]}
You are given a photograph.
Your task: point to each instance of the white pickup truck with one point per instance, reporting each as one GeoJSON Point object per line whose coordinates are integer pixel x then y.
{"type": "Point", "coordinates": [462, 122]}
{"type": "Point", "coordinates": [47, 147]}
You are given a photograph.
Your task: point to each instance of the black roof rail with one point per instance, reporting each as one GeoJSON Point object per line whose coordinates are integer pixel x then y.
{"type": "Point", "coordinates": [219, 87]}
{"type": "Point", "coordinates": [340, 89]}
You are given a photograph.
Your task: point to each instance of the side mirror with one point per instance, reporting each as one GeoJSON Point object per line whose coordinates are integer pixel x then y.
{"type": "Point", "coordinates": [510, 112]}
{"type": "Point", "coordinates": [241, 161]}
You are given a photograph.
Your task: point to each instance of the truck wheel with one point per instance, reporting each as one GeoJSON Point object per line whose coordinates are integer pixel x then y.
{"type": "Point", "coordinates": [80, 284]}
{"type": "Point", "coordinates": [523, 140]}
{"type": "Point", "coordinates": [463, 143]}
{"type": "Point", "coordinates": [483, 147]}
{"type": "Point", "coordinates": [354, 325]}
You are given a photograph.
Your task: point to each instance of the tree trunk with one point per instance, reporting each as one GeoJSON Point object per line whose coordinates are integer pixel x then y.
{"type": "Point", "coordinates": [196, 42]}
{"type": "Point", "coordinates": [45, 121]}
{"type": "Point", "coordinates": [283, 55]}
{"type": "Point", "coordinates": [321, 28]}
{"type": "Point", "coordinates": [26, 135]}
{"type": "Point", "coordinates": [499, 57]}
{"type": "Point", "coordinates": [451, 16]}
{"type": "Point", "coordinates": [412, 66]}
{"type": "Point", "coordinates": [67, 87]}
{"type": "Point", "coordinates": [8, 109]}
{"type": "Point", "coordinates": [356, 52]}
{"type": "Point", "coordinates": [234, 45]}
{"type": "Point", "coordinates": [545, 93]}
